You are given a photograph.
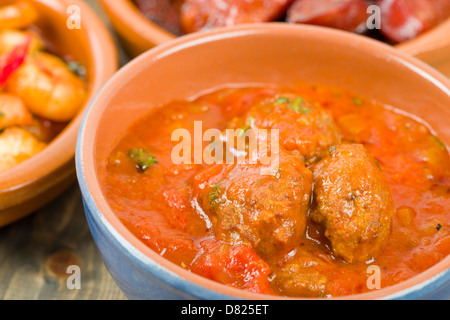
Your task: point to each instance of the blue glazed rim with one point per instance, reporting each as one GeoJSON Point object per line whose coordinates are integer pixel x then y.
{"type": "Point", "coordinates": [439, 283]}
{"type": "Point", "coordinates": [117, 241]}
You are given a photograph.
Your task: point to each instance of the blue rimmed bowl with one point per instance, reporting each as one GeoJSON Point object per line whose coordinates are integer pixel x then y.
{"type": "Point", "coordinates": [265, 53]}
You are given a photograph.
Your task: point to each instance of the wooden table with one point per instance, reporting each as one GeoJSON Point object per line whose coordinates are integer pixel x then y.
{"type": "Point", "coordinates": [36, 251]}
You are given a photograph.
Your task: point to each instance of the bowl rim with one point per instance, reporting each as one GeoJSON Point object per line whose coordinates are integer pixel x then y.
{"type": "Point", "coordinates": [61, 150]}
{"type": "Point", "coordinates": [149, 31]}
{"type": "Point", "coordinates": [136, 23]}
{"type": "Point", "coordinates": [174, 275]}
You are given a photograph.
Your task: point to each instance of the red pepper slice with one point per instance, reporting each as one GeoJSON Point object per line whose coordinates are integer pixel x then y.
{"type": "Point", "coordinates": [11, 61]}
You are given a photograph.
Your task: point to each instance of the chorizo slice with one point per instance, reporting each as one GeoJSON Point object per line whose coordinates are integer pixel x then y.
{"type": "Point", "coordinates": [403, 20]}
{"type": "Point", "coordinates": [206, 14]}
{"type": "Point", "coordinates": [349, 15]}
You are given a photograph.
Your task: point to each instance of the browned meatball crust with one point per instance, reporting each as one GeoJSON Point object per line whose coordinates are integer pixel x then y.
{"type": "Point", "coordinates": [353, 202]}
{"type": "Point", "coordinates": [304, 126]}
{"type": "Point", "coordinates": [267, 212]}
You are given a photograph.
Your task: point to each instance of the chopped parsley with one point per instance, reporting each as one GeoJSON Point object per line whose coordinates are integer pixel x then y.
{"type": "Point", "coordinates": [438, 227]}
{"type": "Point", "coordinates": [77, 68]}
{"type": "Point", "coordinates": [357, 101]}
{"type": "Point", "coordinates": [251, 121]}
{"type": "Point", "coordinates": [438, 142]}
{"type": "Point", "coordinates": [281, 100]}
{"type": "Point", "coordinates": [214, 196]}
{"type": "Point", "coordinates": [142, 159]}
{"type": "Point", "coordinates": [296, 105]}
{"type": "Point", "coordinates": [378, 165]}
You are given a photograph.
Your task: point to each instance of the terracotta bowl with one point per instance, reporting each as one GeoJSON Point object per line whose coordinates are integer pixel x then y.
{"type": "Point", "coordinates": [138, 34]}
{"type": "Point", "coordinates": [275, 53]}
{"type": "Point", "coordinates": [37, 181]}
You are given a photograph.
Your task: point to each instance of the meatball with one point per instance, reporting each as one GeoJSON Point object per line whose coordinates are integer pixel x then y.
{"type": "Point", "coordinates": [246, 206]}
{"type": "Point", "coordinates": [353, 202]}
{"type": "Point", "coordinates": [206, 14]}
{"type": "Point", "coordinates": [310, 272]}
{"type": "Point", "coordinates": [303, 125]}
{"type": "Point", "coordinates": [301, 274]}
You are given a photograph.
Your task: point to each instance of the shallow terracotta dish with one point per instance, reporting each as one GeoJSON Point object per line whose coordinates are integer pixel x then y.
{"type": "Point", "coordinates": [135, 31]}
{"type": "Point", "coordinates": [138, 34]}
{"type": "Point", "coordinates": [35, 182]}
{"type": "Point", "coordinates": [265, 54]}
{"type": "Point", "coordinates": [432, 47]}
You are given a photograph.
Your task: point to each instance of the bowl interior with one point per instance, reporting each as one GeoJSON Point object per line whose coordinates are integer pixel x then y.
{"type": "Point", "coordinates": [263, 54]}
{"type": "Point", "coordinates": [52, 22]}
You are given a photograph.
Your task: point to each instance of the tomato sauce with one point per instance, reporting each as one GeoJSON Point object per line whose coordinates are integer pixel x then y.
{"type": "Point", "coordinates": [156, 199]}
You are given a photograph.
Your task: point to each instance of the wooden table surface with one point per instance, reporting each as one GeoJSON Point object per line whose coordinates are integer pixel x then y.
{"type": "Point", "coordinates": [36, 251]}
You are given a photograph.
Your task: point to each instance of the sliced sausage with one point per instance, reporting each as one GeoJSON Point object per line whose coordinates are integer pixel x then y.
{"type": "Point", "coordinates": [403, 20]}
{"type": "Point", "coordinates": [207, 14]}
{"type": "Point", "coordinates": [350, 15]}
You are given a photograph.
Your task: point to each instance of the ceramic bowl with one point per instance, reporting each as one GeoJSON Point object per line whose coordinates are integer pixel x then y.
{"type": "Point", "coordinates": [35, 182]}
{"type": "Point", "coordinates": [138, 34]}
{"type": "Point", "coordinates": [263, 53]}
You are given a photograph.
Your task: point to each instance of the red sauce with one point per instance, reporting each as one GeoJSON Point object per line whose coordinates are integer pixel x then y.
{"type": "Point", "coordinates": [159, 204]}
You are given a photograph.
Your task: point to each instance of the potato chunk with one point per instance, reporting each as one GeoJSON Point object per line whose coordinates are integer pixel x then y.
{"type": "Point", "coordinates": [16, 146]}
{"type": "Point", "coordinates": [13, 112]}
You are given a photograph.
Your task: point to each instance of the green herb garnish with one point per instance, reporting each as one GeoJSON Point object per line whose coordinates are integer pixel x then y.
{"type": "Point", "coordinates": [297, 104]}
{"type": "Point", "coordinates": [378, 165]}
{"type": "Point", "coordinates": [77, 68]}
{"type": "Point", "coordinates": [438, 227]}
{"type": "Point", "coordinates": [142, 159]}
{"type": "Point", "coordinates": [357, 101]}
{"type": "Point", "coordinates": [250, 125]}
{"type": "Point", "coordinates": [439, 142]}
{"type": "Point", "coordinates": [305, 110]}
{"type": "Point", "coordinates": [281, 100]}
{"type": "Point", "coordinates": [214, 195]}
